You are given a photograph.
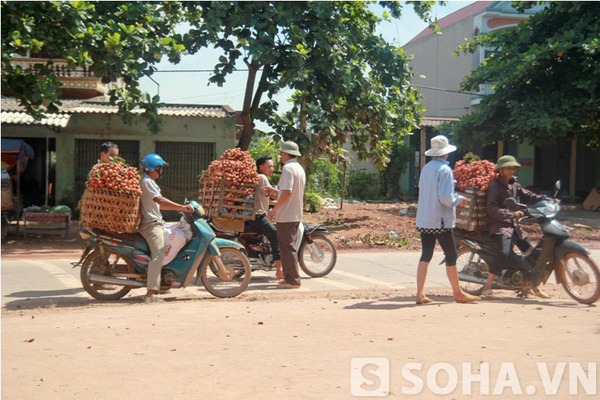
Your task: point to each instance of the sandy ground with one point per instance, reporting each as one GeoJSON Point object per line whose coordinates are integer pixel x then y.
{"type": "Point", "coordinates": [296, 345]}
{"type": "Point", "coordinates": [293, 345]}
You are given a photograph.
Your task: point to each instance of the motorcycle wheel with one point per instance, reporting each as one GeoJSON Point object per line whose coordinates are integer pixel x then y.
{"type": "Point", "coordinates": [580, 277]}
{"type": "Point", "coordinates": [476, 267]}
{"type": "Point", "coordinates": [105, 265]}
{"type": "Point", "coordinates": [318, 258]}
{"type": "Point", "coordinates": [233, 280]}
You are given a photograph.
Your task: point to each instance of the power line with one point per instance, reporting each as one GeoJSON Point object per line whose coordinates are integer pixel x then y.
{"type": "Point", "coordinates": [246, 70]}
{"type": "Point", "coordinates": [196, 70]}
{"type": "Point", "coordinates": [449, 90]}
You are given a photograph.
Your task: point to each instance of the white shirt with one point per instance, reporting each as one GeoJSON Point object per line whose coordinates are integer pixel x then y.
{"type": "Point", "coordinates": [293, 178]}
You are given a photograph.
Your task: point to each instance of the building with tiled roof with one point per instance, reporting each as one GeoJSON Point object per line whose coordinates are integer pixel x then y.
{"type": "Point", "coordinates": [67, 143]}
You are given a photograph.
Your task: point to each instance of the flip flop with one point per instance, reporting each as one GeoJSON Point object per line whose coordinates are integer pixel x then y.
{"type": "Point", "coordinates": [426, 300]}
{"type": "Point", "coordinates": [289, 286]}
{"type": "Point", "coordinates": [469, 299]}
{"type": "Point", "coordinates": [153, 299]}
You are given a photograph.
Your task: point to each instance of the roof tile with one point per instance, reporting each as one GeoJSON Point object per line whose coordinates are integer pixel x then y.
{"type": "Point", "coordinates": [13, 113]}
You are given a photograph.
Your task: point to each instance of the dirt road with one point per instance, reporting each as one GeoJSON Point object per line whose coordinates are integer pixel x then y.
{"type": "Point", "coordinates": [297, 345]}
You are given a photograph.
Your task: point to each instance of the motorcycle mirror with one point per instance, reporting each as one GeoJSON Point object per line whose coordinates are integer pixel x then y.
{"type": "Point", "coordinates": [510, 202]}
{"type": "Point", "coordinates": [557, 186]}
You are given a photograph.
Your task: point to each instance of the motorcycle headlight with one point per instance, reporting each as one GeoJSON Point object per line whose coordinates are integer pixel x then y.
{"type": "Point", "coordinates": [551, 209]}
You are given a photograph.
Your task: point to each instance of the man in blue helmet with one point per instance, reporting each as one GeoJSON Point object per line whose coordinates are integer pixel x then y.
{"type": "Point", "coordinates": [152, 223]}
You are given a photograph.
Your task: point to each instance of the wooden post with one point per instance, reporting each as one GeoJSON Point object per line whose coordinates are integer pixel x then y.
{"type": "Point", "coordinates": [221, 210]}
{"type": "Point", "coordinates": [573, 170]}
{"type": "Point", "coordinates": [423, 159]}
{"type": "Point", "coordinates": [343, 185]}
{"type": "Point", "coordinates": [500, 148]}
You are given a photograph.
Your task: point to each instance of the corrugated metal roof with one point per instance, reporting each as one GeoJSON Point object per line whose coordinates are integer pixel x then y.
{"type": "Point", "coordinates": [435, 121]}
{"type": "Point", "coordinates": [21, 118]}
{"type": "Point", "coordinates": [13, 113]}
{"type": "Point", "coordinates": [170, 110]}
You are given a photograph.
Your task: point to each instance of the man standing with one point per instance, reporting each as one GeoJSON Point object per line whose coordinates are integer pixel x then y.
{"type": "Point", "coordinates": [261, 224]}
{"type": "Point", "coordinates": [152, 225]}
{"type": "Point", "coordinates": [108, 150]}
{"type": "Point", "coordinates": [288, 213]}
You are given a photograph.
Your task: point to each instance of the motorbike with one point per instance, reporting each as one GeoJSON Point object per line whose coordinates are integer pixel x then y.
{"type": "Point", "coordinates": [570, 262]}
{"type": "Point", "coordinates": [316, 255]}
{"type": "Point", "coordinates": [113, 264]}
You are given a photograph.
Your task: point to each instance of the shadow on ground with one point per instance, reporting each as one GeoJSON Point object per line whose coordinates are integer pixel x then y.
{"type": "Point", "coordinates": [400, 302]}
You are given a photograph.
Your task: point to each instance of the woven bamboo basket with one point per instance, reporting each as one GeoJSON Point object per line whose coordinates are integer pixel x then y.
{"type": "Point", "coordinates": [472, 216]}
{"type": "Point", "coordinates": [110, 210]}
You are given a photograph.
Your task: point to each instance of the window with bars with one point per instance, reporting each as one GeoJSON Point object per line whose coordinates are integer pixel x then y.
{"type": "Point", "coordinates": [186, 161]}
{"type": "Point", "coordinates": [87, 153]}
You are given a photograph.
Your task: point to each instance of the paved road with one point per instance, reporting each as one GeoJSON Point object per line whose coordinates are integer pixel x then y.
{"type": "Point", "coordinates": [29, 283]}
{"type": "Point", "coordinates": [38, 282]}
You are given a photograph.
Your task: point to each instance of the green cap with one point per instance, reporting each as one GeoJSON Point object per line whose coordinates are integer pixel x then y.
{"type": "Point", "coordinates": [290, 148]}
{"type": "Point", "coordinates": [507, 161]}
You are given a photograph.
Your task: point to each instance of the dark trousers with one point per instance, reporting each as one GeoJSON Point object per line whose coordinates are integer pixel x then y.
{"type": "Point", "coordinates": [287, 234]}
{"type": "Point", "coordinates": [262, 225]}
{"type": "Point", "coordinates": [507, 256]}
{"type": "Point", "coordinates": [446, 240]}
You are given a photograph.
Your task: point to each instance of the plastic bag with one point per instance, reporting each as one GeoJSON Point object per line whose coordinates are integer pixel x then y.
{"type": "Point", "coordinates": [61, 209]}
{"type": "Point", "coordinates": [177, 234]}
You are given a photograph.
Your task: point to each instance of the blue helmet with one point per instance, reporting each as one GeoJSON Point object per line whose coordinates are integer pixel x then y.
{"type": "Point", "coordinates": [151, 161]}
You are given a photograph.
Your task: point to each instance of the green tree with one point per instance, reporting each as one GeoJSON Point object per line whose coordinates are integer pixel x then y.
{"type": "Point", "coordinates": [349, 84]}
{"type": "Point", "coordinates": [264, 145]}
{"type": "Point", "coordinates": [117, 41]}
{"type": "Point", "coordinates": [390, 177]}
{"type": "Point", "coordinates": [325, 178]}
{"type": "Point", "coordinates": [546, 77]}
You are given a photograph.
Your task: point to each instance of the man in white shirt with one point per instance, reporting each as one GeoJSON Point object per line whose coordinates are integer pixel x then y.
{"type": "Point", "coordinates": [152, 225]}
{"type": "Point", "coordinates": [288, 213]}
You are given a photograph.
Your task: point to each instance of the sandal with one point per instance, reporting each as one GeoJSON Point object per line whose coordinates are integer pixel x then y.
{"type": "Point", "coordinates": [425, 300]}
{"type": "Point", "coordinates": [467, 299]}
{"type": "Point", "coordinates": [289, 286]}
{"type": "Point", "coordinates": [488, 294]}
{"type": "Point", "coordinates": [153, 299]}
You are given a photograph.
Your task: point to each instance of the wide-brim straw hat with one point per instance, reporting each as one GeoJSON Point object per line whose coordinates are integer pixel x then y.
{"type": "Point", "coordinates": [507, 161]}
{"type": "Point", "coordinates": [440, 147]}
{"type": "Point", "coordinates": [290, 148]}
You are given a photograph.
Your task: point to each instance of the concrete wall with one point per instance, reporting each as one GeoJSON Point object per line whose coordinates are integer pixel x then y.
{"type": "Point", "coordinates": [433, 58]}
{"type": "Point", "coordinates": [526, 156]}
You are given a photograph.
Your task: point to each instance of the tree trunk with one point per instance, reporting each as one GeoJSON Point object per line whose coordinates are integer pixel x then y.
{"type": "Point", "coordinates": [262, 86]}
{"type": "Point", "coordinates": [247, 119]}
{"type": "Point", "coordinates": [303, 115]}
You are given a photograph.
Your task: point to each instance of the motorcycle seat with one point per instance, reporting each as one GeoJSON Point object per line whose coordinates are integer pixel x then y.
{"type": "Point", "coordinates": [250, 234]}
{"type": "Point", "coordinates": [482, 237]}
{"type": "Point", "coordinates": [129, 239]}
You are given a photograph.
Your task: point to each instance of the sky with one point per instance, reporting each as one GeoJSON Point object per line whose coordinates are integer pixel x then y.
{"type": "Point", "coordinates": [192, 88]}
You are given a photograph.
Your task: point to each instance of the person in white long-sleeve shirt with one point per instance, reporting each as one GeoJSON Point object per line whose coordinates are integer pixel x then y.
{"type": "Point", "coordinates": [436, 218]}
